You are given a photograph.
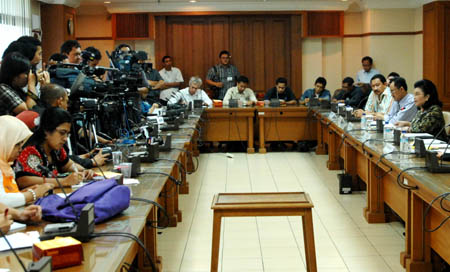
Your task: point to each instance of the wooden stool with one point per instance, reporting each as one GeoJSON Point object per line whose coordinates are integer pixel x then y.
{"type": "Point", "coordinates": [264, 204]}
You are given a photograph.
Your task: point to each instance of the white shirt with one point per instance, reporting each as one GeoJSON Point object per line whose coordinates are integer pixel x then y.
{"type": "Point", "coordinates": [184, 96]}
{"type": "Point", "coordinates": [244, 97]}
{"type": "Point", "coordinates": [171, 76]}
{"type": "Point", "coordinates": [365, 77]}
{"type": "Point", "coordinates": [381, 103]}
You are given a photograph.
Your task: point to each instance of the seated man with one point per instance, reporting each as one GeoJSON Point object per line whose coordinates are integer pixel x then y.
{"type": "Point", "coordinates": [380, 99]}
{"type": "Point", "coordinates": [240, 92]}
{"type": "Point", "coordinates": [318, 91]}
{"type": "Point", "coordinates": [191, 93]}
{"type": "Point", "coordinates": [281, 92]}
{"type": "Point", "coordinates": [350, 94]}
{"type": "Point", "coordinates": [403, 107]}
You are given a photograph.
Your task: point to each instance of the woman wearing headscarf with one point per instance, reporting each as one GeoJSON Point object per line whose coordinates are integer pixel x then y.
{"type": "Point", "coordinates": [13, 134]}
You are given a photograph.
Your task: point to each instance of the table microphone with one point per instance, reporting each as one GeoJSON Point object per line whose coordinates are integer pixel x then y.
{"type": "Point", "coordinates": [437, 135]}
{"type": "Point", "coordinates": [45, 170]}
{"type": "Point", "coordinates": [14, 252]}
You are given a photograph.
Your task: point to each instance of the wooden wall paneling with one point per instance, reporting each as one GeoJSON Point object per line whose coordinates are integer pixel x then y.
{"type": "Point", "coordinates": [239, 41]}
{"type": "Point", "coordinates": [161, 38]}
{"type": "Point", "coordinates": [259, 60]}
{"type": "Point", "coordinates": [323, 24]}
{"type": "Point", "coordinates": [219, 38]}
{"type": "Point", "coordinates": [296, 55]}
{"type": "Point", "coordinates": [279, 40]}
{"type": "Point", "coordinates": [54, 27]}
{"type": "Point", "coordinates": [436, 44]}
{"type": "Point", "coordinates": [446, 58]}
{"type": "Point", "coordinates": [200, 37]}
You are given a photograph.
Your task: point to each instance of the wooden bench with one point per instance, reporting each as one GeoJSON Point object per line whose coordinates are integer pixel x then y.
{"type": "Point", "coordinates": [264, 204]}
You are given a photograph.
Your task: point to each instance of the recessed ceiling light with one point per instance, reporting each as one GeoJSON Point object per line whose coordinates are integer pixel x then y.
{"type": "Point", "coordinates": [344, 0]}
{"type": "Point", "coordinates": [107, 2]}
{"type": "Point", "coordinates": [193, 1]}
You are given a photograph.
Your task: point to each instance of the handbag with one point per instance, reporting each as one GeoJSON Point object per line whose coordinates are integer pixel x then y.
{"type": "Point", "coordinates": [108, 197]}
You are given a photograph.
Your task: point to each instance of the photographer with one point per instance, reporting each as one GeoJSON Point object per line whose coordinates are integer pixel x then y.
{"type": "Point", "coordinates": [72, 49]}
{"type": "Point", "coordinates": [13, 77]}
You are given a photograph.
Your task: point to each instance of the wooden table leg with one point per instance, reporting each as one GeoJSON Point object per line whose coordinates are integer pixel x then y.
{"type": "Point", "coordinates": [308, 237]}
{"type": "Point", "coordinates": [333, 156]}
{"type": "Point", "coordinates": [150, 242]}
{"type": "Point", "coordinates": [262, 147]}
{"type": "Point", "coordinates": [250, 148]}
{"type": "Point", "coordinates": [349, 164]}
{"type": "Point", "coordinates": [420, 253]}
{"type": "Point", "coordinates": [320, 150]}
{"type": "Point", "coordinates": [184, 188]}
{"type": "Point", "coordinates": [405, 255]}
{"type": "Point", "coordinates": [216, 241]}
{"type": "Point", "coordinates": [374, 212]}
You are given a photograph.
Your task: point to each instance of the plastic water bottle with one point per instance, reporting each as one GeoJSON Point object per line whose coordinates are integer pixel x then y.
{"type": "Point", "coordinates": [387, 132]}
{"type": "Point", "coordinates": [363, 121]}
{"type": "Point", "coordinates": [404, 145]}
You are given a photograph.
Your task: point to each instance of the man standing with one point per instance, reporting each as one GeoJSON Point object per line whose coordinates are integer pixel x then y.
{"type": "Point", "coordinates": [281, 92]}
{"type": "Point", "coordinates": [191, 93]}
{"type": "Point", "coordinates": [240, 92]}
{"type": "Point", "coordinates": [222, 76]}
{"type": "Point", "coordinates": [403, 108]}
{"type": "Point", "coordinates": [318, 91]}
{"type": "Point", "coordinates": [172, 79]}
{"type": "Point", "coordinates": [72, 49]}
{"type": "Point", "coordinates": [365, 75]}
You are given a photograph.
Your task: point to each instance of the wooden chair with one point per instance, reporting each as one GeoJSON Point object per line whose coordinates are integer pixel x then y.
{"type": "Point", "coordinates": [264, 204]}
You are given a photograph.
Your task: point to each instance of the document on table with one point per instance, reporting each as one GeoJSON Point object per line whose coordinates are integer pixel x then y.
{"type": "Point", "coordinates": [20, 240]}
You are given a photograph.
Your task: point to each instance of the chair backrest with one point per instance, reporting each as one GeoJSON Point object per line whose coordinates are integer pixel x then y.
{"type": "Point", "coordinates": [447, 121]}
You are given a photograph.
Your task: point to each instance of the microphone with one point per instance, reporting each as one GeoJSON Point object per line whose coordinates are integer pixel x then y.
{"type": "Point", "coordinates": [437, 135]}
{"type": "Point", "coordinates": [362, 100]}
{"type": "Point", "coordinates": [45, 170]}
{"type": "Point", "coordinates": [445, 150]}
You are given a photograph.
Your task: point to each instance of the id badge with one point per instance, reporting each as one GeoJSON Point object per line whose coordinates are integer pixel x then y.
{"type": "Point", "coordinates": [230, 78]}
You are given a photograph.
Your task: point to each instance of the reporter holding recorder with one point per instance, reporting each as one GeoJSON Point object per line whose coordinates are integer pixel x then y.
{"type": "Point", "coordinates": [46, 148]}
{"type": "Point", "coordinates": [13, 134]}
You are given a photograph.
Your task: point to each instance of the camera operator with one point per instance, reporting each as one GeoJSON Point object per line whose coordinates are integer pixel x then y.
{"type": "Point", "coordinates": [57, 58]}
{"type": "Point", "coordinates": [93, 57]}
{"type": "Point", "coordinates": [72, 49]}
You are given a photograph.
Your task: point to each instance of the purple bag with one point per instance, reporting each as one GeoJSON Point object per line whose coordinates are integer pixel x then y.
{"type": "Point", "coordinates": [108, 197]}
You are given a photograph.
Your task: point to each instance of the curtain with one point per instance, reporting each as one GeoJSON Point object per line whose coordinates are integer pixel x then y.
{"type": "Point", "coordinates": [15, 21]}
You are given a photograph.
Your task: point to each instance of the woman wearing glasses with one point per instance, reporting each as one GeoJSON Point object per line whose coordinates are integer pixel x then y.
{"type": "Point", "coordinates": [46, 148]}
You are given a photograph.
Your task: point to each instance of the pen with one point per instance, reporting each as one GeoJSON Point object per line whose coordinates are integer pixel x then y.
{"type": "Point", "coordinates": [6, 213]}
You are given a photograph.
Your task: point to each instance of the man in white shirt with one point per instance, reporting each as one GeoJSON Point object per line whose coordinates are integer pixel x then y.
{"type": "Point", "coordinates": [240, 92]}
{"type": "Point", "coordinates": [365, 75]}
{"type": "Point", "coordinates": [172, 79]}
{"type": "Point", "coordinates": [380, 99]}
{"type": "Point", "coordinates": [191, 93]}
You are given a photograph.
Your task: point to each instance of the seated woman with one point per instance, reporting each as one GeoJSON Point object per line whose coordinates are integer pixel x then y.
{"type": "Point", "coordinates": [429, 117]}
{"type": "Point", "coordinates": [46, 148]}
{"type": "Point", "coordinates": [13, 77]}
{"type": "Point", "coordinates": [13, 134]}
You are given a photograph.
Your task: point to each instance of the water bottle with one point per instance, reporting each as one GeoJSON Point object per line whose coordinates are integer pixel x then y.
{"type": "Point", "coordinates": [387, 131]}
{"type": "Point", "coordinates": [363, 121]}
{"type": "Point", "coordinates": [404, 145]}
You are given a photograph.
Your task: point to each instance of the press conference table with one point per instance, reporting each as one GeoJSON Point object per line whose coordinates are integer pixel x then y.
{"type": "Point", "coordinates": [362, 155]}
{"type": "Point", "coordinates": [285, 123]}
{"type": "Point", "coordinates": [110, 253]}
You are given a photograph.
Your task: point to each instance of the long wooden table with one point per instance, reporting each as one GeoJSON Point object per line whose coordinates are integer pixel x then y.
{"type": "Point", "coordinates": [110, 254]}
{"type": "Point", "coordinates": [362, 155]}
{"type": "Point", "coordinates": [273, 124]}
{"type": "Point", "coordinates": [290, 123]}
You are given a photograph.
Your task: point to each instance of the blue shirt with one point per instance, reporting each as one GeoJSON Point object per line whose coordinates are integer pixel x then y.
{"type": "Point", "coordinates": [365, 77]}
{"type": "Point", "coordinates": [325, 94]}
{"type": "Point", "coordinates": [403, 110]}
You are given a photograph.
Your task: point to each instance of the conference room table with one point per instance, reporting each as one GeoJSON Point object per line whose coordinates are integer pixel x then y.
{"type": "Point", "coordinates": [399, 181]}
{"type": "Point", "coordinates": [140, 218]}
{"type": "Point", "coordinates": [261, 123]}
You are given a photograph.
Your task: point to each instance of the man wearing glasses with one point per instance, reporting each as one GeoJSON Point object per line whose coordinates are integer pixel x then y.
{"type": "Point", "coordinates": [222, 76]}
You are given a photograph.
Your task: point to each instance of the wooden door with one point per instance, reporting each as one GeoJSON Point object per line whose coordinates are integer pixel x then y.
{"type": "Point", "coordinates": [263, 47]}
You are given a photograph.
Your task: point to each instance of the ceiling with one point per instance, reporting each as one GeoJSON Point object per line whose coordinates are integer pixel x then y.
{"type": "Point", "coordinates": [116, 6]}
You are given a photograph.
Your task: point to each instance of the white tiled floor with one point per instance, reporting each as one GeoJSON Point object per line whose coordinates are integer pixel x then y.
{"type": "Point", "coordinates": [344, 240]}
